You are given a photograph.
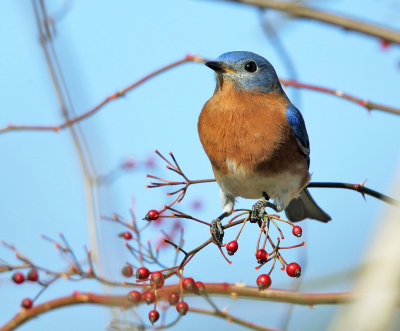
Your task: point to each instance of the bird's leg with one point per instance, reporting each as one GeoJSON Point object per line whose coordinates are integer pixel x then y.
{"type": "Point", "coordinates": [258, 210]}
{"type": "Point", "coordinates": [216, 228]}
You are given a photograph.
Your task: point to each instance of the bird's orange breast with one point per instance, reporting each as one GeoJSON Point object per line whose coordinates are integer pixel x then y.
{"type": "Point", "coordinates": [249, 130]}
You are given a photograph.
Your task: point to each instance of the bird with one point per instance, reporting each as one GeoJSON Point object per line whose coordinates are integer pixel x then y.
{"type": "Point", "coordinates": [256, 140]}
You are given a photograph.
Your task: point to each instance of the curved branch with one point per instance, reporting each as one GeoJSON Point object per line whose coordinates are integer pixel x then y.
{"type": "Point", "coordinates": [223, 289]}
{"type": "Point", "coordinates": [298, 10]}
{"type": "Point", "coordinates": [116, 95]}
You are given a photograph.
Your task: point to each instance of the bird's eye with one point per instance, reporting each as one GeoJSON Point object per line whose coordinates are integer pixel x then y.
{"type": "Point", "coordinates": [250, 66]}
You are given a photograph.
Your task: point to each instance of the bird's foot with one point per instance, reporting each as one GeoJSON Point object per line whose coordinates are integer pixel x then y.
{"type": "Point", "coordinates": [217, 231]}
{"type": "Point", "coordinates": [258, 211]}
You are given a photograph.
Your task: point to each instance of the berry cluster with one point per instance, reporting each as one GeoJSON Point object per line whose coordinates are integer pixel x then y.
{"type": "Point", "coordinates": [19, 278]}
{"type": "Point", "coordinates": [262, 256]}
{"type": "Point", "coordinates": [155, 280]}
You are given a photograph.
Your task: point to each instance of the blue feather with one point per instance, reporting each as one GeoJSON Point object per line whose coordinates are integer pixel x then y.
{"type": "Point", "coordinates": [264, 79]}
{"type": "Point", "coordinates": [298, 126]}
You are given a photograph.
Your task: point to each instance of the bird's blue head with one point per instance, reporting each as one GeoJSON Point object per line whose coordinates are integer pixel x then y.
{"type": "Point", "coordinates": [248, 71]}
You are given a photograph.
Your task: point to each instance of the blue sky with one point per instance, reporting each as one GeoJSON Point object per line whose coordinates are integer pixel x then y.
{"type": "Point", "coordinates": [103, 47]}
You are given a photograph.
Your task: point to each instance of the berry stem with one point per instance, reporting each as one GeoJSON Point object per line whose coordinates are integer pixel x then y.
{"type": "Point", "coordinates": [241, 228]}
{"type": "Point", "coordinates": [273, 266]}
{"type": "Point", "coordinates": [176, 246]}
{"type": "Point", "coordinates": [241, 214]}
{"type": "Point", "coordinates": [266, 233]}
{"type": "Point", "coordinates": [294, 246]}
{"type": "Point", "coordinates": [262, 229]}
{"type": "Point", "coordinates": [223, 255]}
{"type": "Point", "coordinates": [183, 215]}
{"type": "Point", "coordinates": [280, 231]}
{"type": "Point", "coordinates": [281, 219]}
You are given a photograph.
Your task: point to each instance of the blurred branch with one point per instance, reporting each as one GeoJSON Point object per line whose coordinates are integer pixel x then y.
{"type": "Point", "coordinates": [65, 102]}
{"type": "Point", "coordinates": [223, 289]}
{"type": "Point", "coordinates": [274, 39]}
{"type": "Point", "coordinates": [298, 10]}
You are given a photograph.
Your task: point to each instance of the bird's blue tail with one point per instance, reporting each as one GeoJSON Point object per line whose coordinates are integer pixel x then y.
{"type": "Point", "coordinates": [305, 207]}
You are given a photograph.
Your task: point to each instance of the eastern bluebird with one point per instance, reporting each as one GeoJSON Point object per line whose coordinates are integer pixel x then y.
{"type": "Point", "coordinates": [256, 141]}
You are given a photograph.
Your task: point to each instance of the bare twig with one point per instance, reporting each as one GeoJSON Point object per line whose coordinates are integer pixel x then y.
{"type": "Point", "coordinates": [364, 103]}
{"type": "Point", "coordinates": [359, 188]}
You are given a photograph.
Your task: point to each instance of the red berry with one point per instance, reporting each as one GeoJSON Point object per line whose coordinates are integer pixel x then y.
{"type": "Point", "coordinates": [201, 287]}
{"type": "Point", "coordinates": [27, 303]}
{"type": "Point", "coordinates": [297, 231]}
{"type": "Point", "coordinates": [173, 298]}
{"type": "Point", "coordinates": [149, 297]}
{"type": "Point", "coordinates": [152, 215]}
{"type": "Point", "coordinates": [384, 44]}
{"type": "Point", "coordinates": [157, 279]}
{"type": "Point", "coordinates": [182, 308]}
{"type": "Point", "coordinates": [154, 316]}
{"type": "Point", "coordinates": [134, 296]}
{"type": "Point", "coordinates": [142, 273]}
{"type": "Point", "coordinates": [189, 284]}
{"type": "Point", "coordinates": [127, 235]}
{"type": "Point", "coordinates": [263, 281]}
{"type": "Point", "coordinates": [127, 271]}
{"type": "Point", "coordinates": [232, 247]}
{"type": "Point", "coordinates": [261, 255]}
{"type": "Point", "coordinates": [33, 275]}
{"type": "Point", "coordinates": [293, 269]}
{"type": "Point", "coordinates": [18, 277]}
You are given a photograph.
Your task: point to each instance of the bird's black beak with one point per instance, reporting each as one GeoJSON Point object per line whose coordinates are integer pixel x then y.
{"type": "Point", "coordinates": [216, 66]}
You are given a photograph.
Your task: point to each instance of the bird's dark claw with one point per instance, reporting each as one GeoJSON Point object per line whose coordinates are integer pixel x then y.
{"type": "Point", "coordinates": [258, 211]}
{"type": "Point", "coordinates": [217, 231]}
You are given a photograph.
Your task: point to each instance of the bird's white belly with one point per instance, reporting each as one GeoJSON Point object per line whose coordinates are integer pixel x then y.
{"type": "Point", "coordinates": [282, 188]}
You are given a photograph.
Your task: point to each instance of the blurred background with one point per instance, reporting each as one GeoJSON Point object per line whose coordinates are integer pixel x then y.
{"type": "Point", "coordinates": [62, 182]}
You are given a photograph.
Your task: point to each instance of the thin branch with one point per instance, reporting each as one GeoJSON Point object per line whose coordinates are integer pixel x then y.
{"type": "Point", "coordinates": [7, 267]}
{"type": "Point", "coordinates": [223, 289]}
{"type": "Point", "coordinates": [369, 105]}
{"type": "Point", "coordinates": [116, 95]}
{"type": "Point", "coordinates": [299, 10]}
{"type": "Point", "coordinates": [359, 188]}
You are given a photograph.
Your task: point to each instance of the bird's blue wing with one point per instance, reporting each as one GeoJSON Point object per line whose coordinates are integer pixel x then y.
{"type": "Point", "coordinates": [298, 126]}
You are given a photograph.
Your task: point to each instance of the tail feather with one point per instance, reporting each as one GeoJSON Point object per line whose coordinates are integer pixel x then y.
{"type": "Point", "coordinates": [305, 207]}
